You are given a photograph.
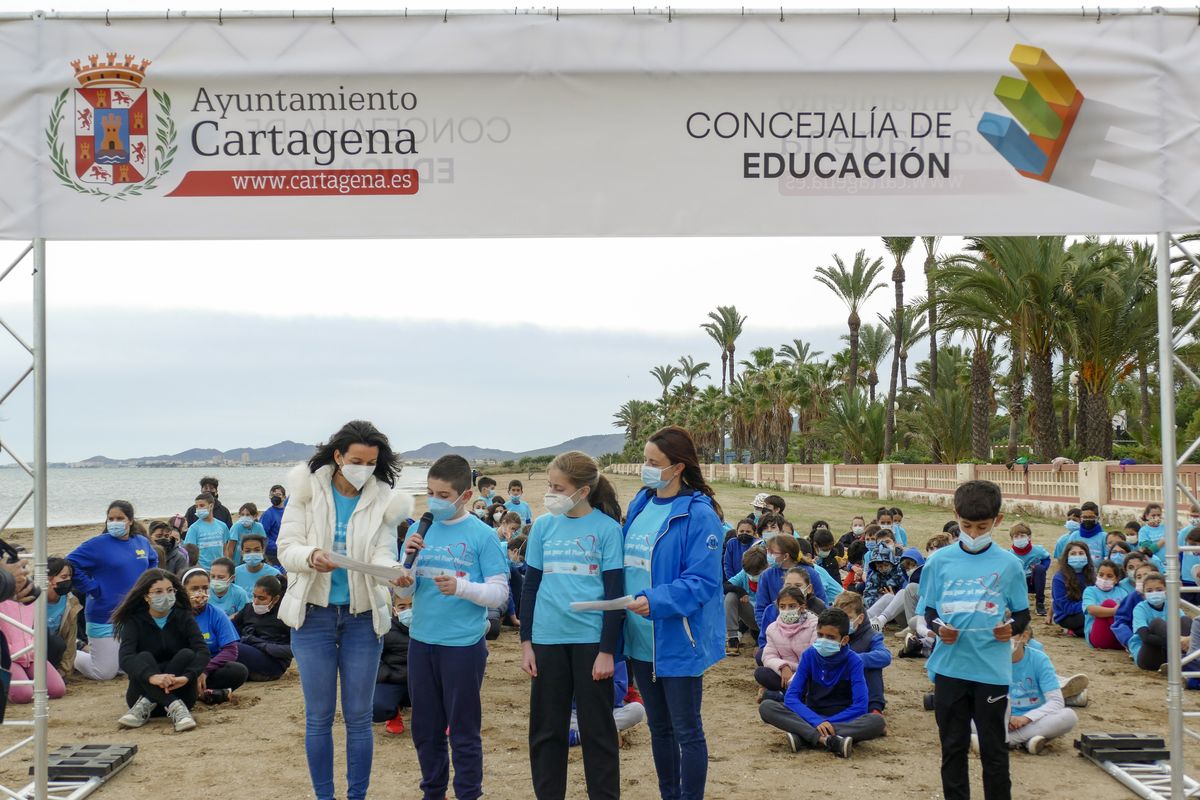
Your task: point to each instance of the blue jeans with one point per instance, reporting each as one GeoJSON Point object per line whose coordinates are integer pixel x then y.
{"type": "Point", "coordinates": [676, 731]}
{"type": "Point", "coordinates": [332, 643]}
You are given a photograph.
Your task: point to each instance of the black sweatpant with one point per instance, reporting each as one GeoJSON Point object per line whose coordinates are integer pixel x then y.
{"type": "Point", "coordinates": [956, 703]}
{"type": "Point", "coordinates": [56, 648]}
{"type": "Point", "coordinates": [1072, 623]}
{"type": "Point", "coordinates": [177, 665]}
{"type": "Point", "coordinates": [1154, 651]}
{"type": "Point", "coordinates": [228, 676]}
{"type": "Point", "coordinates": [564, 671]}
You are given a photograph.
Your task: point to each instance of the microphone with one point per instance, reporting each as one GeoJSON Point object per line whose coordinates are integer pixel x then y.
{"type": "Point", "coordinates": [422, 529]}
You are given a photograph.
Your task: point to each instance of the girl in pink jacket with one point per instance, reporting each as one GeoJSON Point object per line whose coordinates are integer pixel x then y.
{"type": "Point", "coordinates": [20, 644]}
{"type": "Point", "coordinates": [787, 638]}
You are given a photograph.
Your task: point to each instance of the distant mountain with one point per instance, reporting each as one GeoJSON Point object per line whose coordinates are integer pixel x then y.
{"type": "Point", "coordinates": [279, 452]}
{"type": "Point", "coordinates": [592, 445]}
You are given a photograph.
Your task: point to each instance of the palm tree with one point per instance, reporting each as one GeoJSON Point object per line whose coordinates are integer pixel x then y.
{"type": "Point", "coordinates": [638, 419]}
{"type": "Point", "coordinates": [852, 286]}
{"type": "Point", "coordinates": [931, 243]}
{"type": "Point", "coordinates": [913, 331]}
{"type": "Point", "coordinates": [689, 370]}
{"type": "Point", "coordinates": [665, 375]}
{"type": "Point", "coordinates": [875, 342]}
{"type": "Point", "coordinates": [760, 359]}
{"type": "Point", "coordinates": [797, 353]}
{"type": "Point", "coordinates": [897, 247]}
{"type": "Point", "coordinates": [724, 329]}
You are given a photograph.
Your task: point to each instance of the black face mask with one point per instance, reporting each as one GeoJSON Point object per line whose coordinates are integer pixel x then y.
{"type": "Point", "coordinates": [276, 500]}
{"type": "Point", "coordinates": [745, 538]}
{"type": "Point", "coordinates": [166, 544]}
{"type": "Point", "coordinates": [62, 588]}
{"type": "Point", "coordinates": [1088, 524]}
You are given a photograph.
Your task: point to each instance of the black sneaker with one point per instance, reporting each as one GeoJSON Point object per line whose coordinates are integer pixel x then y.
{"type": "Point", "coordinates": [840, 746]}
{"type": "Point", "coordinates": [1041, 609]}
{"type": "Point", "coordinates": [928, 701]}
{"type": "Point", "coordinates": [911, 647]}
{"type": "Point", "coordinates": [214, 697]}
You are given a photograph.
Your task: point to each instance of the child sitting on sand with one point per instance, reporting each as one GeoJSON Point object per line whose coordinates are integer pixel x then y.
{"type": "Point", "coordinates": [739, 600]}
{"type": "Point", "coordinates": [787, 638]}
{"type": "Point", "coordinates": [223, 593]}
{"type": "Point", "coordinates": [868, 643]}
{"type": "Point", "coordinates": [1100, 602]}
{"type": "Point", "coordinates": [1037, 710]}
{"type": "Point", "coordinates": [1149, 643]}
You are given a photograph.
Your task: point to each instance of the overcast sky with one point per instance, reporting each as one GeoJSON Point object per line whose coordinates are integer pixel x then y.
{"type": "Point", "coordinates": [516, 344]}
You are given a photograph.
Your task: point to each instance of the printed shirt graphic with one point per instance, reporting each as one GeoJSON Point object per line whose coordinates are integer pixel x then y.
{"type": "Point", "coordinates": [971, 592]}
{"type": "Point", "coordinates": [1032, 677]}
{"type": "Point", "coordinates": [572, 553]}
{"type": "Point", "coordinates": [339, 586]}
{"type": "Point", "coordinates": [646, 526]}
{"type": "Point", "coordinates": [209, 536]}
{"type": "Point", "coordinates": [466, 549]}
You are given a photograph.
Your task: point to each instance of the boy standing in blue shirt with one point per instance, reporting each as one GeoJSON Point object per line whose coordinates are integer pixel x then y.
{"type": "Point", "coordinates": [515, 504]}
{"type": "Point", "coordinates": [458, 575]}
{"type": "Point", "coordinates": [271, 519]}
{"type": "Point", "coordinates": [966, 592]}
{"type": "Point", "coordinates": [209, 535]}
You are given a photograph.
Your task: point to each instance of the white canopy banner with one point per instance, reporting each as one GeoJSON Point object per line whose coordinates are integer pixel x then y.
{"type": "Point", "coordinates": [598, 125]}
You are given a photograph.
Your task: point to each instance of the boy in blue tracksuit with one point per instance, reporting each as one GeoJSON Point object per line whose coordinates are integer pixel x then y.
{"type": "Point", "coordinates": [674, 630]}
{"type": "Point", "coordinates": [737, 546]}
{"type": "Point", "coordinates": [967, 590]}
{"type": "Point", "coordinates": [869, 645]}
{"type": "Point", "coordinates": [1122, 626]}
{"type": "Point", "coordinates": [271, 520]}
{"type": "Point", "coordinates": [826, 700]}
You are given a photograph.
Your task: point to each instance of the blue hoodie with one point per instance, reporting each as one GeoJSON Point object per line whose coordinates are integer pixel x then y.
{"type": "Point", "coordinates": [1063, 605]}
{"type": "Point", "coordinates": [734, 550]}
{"type": "Point", "coordinates": [829, 689]}
{"type": "Point", "coordinates": [771, 581]}
{"type": "Point", "coordinates": [105, 569]}
{"type": "Point", "coordinates": [1122, 626]}
{"type": "Point", "coordinates": [686, 604]}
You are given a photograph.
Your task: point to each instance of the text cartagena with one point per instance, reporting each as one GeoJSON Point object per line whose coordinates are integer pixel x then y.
{"type": "Point", "coordinates": [213, 137]}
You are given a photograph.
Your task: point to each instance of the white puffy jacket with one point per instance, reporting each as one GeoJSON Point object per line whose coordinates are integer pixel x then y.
{"type": "Point", "coordinates": [308, 524]}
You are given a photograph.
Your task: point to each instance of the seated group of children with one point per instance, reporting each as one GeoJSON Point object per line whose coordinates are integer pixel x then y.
{"type": "Point", "coordinates": [817, 608]}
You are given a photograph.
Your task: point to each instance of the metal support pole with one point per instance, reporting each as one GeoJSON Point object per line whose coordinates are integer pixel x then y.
{"type": "Point", "coordinates": [1166, 395]}
{"type": "Point", "coordinates": [41, 696]}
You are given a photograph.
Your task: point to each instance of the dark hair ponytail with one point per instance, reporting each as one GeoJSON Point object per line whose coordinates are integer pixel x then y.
{"type": "Point", "coordinates": [679, 448]}
{"type": "Point", "coordinates": [358, 431]}
{"type": "Point", "coordinates": [582, 470]}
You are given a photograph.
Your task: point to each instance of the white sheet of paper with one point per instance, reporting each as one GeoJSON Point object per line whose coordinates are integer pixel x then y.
{"type": "Point", "coordinates": [602, 605]}
{"type": "Point", "coordinates": [386, 573]}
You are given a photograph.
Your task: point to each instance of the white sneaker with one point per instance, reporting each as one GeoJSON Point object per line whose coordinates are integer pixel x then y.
{"type": "Point", "coordinates": [1074, 685]}
{"type": "Point", "coordinates": [138, 715]}
{"type": "Point", "coordinates": [1077, 700]}
{"type": "Point", "coordinates": [878, 623]}
{"type": "Point", "coordinates": [975, 743]}
{"type": "Point", "coordinates": [1036, 745]}
{"type": "Point", "coordinates": [180, 715]}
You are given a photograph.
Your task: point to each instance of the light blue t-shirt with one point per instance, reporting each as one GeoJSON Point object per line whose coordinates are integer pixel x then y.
{"type": "Point", "coordinates": [639, 543]}
{"type": "Point", "coordinates": [1094, 596]}
{"type": "Point", "coordinates": [572, 554]}
{"type": "Point", "coordinates": [235, 599]}
{"type": "Point", "coordinates": [1187, 566]}
{"type": "Point", "coordinates": [161, 622]}
{"type": "Point", "coordinates": [54, 613]}
{"type": "Point", "coordinates": [96, 630]}
{"type": "Point", "coordinates": [339, 581]}
{"type": "Point", "coordinates": [1035, 556]}
{"type": "Point", "coordinates": [1152, 537]}
{"type": "Point", "coordinates": [216, 628]}
{"type": "Point", "coordinates": [1183, 534]}
{"type": "Point", "coordinates": [1143, 615]}
{"type": "Point", "coordinates": [522, 508]}
{"type": "Point", "coordinates": [1032, 677]}
{"type": "Point", "coordinates": [464, 548]}
{"type": "Point", "coordinates": [238, 531]}
{"type": "Point", "coordinates": [971, 592]}
{"type": "Point", "coordinates": [900, 535]}
{"type": "Point", "coordinates": [1061, 544]}
{"type": "Point", "coordinates": [210, 537]}
{"type": "Point", "coordinates": [1096, 544]}
{"type": "Point", "coordinates": [244, 578]}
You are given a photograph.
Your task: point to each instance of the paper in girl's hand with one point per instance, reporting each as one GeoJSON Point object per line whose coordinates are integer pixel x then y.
{"type": "Point", "coordinates": [385, 573]}
{"type": "Point", "coordinates": [602, 605]}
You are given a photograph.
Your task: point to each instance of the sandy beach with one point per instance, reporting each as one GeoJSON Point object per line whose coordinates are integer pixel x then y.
{"type": "Point", "coordinates": [256, 746]}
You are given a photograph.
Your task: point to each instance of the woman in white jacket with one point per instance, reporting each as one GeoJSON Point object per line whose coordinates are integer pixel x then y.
{"type": "Point", "coordinates": [342, 502]}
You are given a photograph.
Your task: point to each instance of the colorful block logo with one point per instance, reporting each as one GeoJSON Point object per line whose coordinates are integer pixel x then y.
{"type": "Point", "coordinates": [1045, 105]}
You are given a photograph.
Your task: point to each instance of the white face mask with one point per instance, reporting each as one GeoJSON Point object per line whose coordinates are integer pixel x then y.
{"type": "Point", "coordinates": [499, 515]}
{"type": "Point", "coordinates": [559, 504]}
{"type": "Point", "coordinates": [857, 530]}
{"type": "Point", "coordinates": [357, 475]}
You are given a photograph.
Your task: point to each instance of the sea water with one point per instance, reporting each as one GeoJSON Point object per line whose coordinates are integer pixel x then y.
{"type": "Point", "coordinates": [81, 496]}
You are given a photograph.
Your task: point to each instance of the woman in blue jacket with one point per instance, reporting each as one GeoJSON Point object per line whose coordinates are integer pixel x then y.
{"type": "Point", "coordinates": [674, 628]}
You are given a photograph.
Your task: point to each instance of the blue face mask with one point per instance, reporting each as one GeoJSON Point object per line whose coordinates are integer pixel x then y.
{"type": "Point", "coordinates": [442, 510]}
{"type": "Point", "coordinates": [826, 647]}
{"type": "Point", "coordinates": [253, 559]}
{"type": "Point", "coordinates": [1077, 562]}
{"type": "Point", "coordinates": [1117, 558]}
{"type": "Point", "coordinates": [1156, 599]}
{"type": "Point", "coordinates": [771, 560]}
{"type": "Point", "coordinates": [516, 498]}
{"type": "Point", "coordinates": [405, 617]}
{"type": "Point", "coordinates": [1071, 525]}
{"type": "Point", "coordinates": [870, 545]}
{"type": "Point", "coordinates": [116, 529]}
{"type": "Point", "coordinates": [652, 477]}
{"type": "Point", "coordinates": [201, 513]}
{"type": "Point", "coordinates": [974, 545]}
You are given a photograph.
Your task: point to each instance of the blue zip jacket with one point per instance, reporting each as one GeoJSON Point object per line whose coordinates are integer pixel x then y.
{"type": "Point", "coordinates": [771, 581]}
{"type": "Point", "coordinates": [1063, 606]}
{"type": "Point", "coordinates": [270, 519]}
{"type": "Point", "coordinates": [105, 568]}
{"type": "Point", "coordinates": [734, 550]}
{"type": "Point", "coordinates": [1122, 626]}
{"type": "Point", "coordinates": [686, 604]}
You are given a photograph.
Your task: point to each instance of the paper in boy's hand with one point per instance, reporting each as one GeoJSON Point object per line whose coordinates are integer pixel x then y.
{"type": "Point", "coordinates": [602, 605]}
{"type": "Point", "coordinates": [386, 573]}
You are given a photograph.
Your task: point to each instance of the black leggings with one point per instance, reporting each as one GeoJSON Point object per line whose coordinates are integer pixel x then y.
{"type": "Point", "coordinates": [177, 665]}
{"type": "Point", "coordinates": [228, 676]}
{"type": "Point", "coordinates": [1152, 656]}
{"type": "Point", "coordinates": [1072, 623]}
